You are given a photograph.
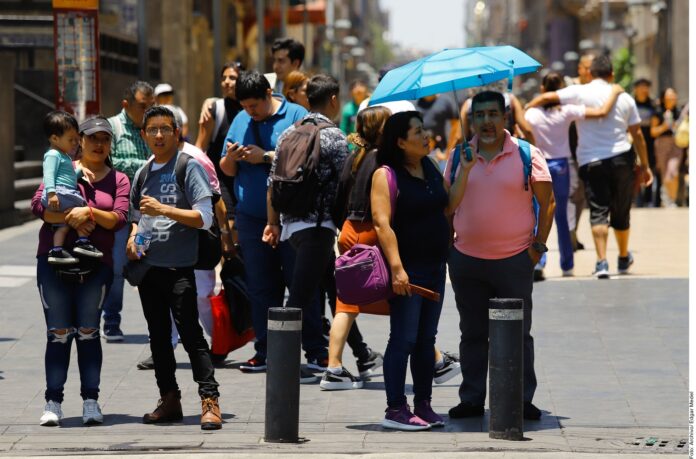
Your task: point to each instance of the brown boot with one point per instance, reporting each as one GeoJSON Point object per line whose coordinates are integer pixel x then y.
{"type": "Point", "coordinates": [168, 409]}
{"type": "Point", "coordinates": [211, 419]}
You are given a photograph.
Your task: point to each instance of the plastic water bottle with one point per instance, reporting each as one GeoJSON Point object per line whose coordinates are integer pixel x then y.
{"type": "Point", "coordinates": [669, 118]}
{"type": "Point", "coordinates": [144, 234]}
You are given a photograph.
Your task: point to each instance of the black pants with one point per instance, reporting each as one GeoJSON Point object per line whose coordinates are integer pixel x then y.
{"type": "Point", "coordinates": [313, 250]}
{"type": "Point", "coordinates": [162, 290]}
{"type": "Point", "coordinates": [475, 281]}
{"type": "Point", "coordinates": [355, 339]}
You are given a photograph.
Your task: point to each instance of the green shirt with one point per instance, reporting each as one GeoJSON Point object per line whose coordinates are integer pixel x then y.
{"type": "Point", "coordinates": [348, 116]}
{"type": "Point", "coordinates": [129, 152]}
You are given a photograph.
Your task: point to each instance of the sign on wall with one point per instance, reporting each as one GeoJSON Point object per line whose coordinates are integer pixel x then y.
{"type": "Point", "coordinates": [76, 38]}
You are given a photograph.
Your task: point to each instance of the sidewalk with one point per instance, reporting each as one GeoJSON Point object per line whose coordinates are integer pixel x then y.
{"type": "Point", "coordinates": [611, 359]}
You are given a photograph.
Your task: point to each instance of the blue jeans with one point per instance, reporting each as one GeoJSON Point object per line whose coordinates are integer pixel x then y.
{"type": "Point", "coordinates": [75, 307]}
{"type": "Point", "coordinates": [560, 174]}
{"type": "Point", "coordinates": [268, 272]}
{"type": "Point", "coordinates": [413, 326]}
{"type": "Point", "coordinates": [114, 300]}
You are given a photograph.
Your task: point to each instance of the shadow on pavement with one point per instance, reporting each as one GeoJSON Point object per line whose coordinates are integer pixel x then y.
{"type": "Point", "coordinates": [3, 339]}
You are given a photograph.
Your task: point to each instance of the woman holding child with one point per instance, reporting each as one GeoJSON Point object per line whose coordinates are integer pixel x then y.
{"type": "Point", "coordinates": [72, 297]}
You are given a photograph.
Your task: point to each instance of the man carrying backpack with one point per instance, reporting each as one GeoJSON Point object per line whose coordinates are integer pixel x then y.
{"type": "Point", "coordinates": [496, 246]}
{"type": "Point", "coordinates": [302, 191]}
{"type": "Point", "coordinates": [250, 147]}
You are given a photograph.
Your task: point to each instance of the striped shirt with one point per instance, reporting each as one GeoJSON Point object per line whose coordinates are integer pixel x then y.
{"type": "Point", "coordinates": [129, 152]}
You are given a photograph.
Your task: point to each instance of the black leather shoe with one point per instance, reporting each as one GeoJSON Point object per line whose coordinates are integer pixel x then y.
{"type": "Point", "coordinates": [465, 410]}
{"type": "Point", "coordinates": [531, 412]}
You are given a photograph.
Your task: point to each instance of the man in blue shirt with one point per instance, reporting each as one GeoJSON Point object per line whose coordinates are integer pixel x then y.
{"type": "Point", "coordinates": [249, 151]}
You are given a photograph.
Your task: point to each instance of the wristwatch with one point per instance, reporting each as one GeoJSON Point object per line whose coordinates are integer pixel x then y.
{"type": "Point", "coordinates": [267, 157]}
{"type": "Point", "coordinates": [540, 247]}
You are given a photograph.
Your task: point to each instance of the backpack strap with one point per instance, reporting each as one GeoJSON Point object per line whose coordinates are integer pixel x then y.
{"type": "Point", "coordinates": [526, 155]}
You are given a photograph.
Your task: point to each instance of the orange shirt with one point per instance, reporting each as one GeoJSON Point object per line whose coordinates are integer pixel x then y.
{"type": "Point", "coordinates": [495, 218]}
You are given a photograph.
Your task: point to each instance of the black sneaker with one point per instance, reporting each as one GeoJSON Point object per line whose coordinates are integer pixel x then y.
{"type": "Point", "coordinates": [465, 410]}
{"type": "Point", "coordinates": [450, 369]}
{"type": "Point", "coordinates": [318, 364]}
{"type": "Point", "coordinates": [531, 412]}
{"type": "Point", "coordinates": [374, 360]}
{"type": "Point", "coordinates": [625, 263]}
{"type": "Point", "coordinates": [112, 333]}
{"type": "Point", "coordinates": [307, 377]}
{"type": "Point", "coordinates": [146, 364]}
{"type": "Point", "coordinates": [253, 365]}
{"type": "Point", "coordinates": [60, 256]}
{"type": "Point", "coordinates": [342, 381]}
{"type": "Point", "coordinates": [84, 247]}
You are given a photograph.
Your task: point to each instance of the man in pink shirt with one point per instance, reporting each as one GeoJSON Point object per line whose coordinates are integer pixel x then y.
{"type": "Point", "coordinates": [496, 248]}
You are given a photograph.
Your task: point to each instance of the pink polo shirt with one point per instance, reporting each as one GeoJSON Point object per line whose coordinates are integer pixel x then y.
{"type": "Point", "coordinates": [495, 218]}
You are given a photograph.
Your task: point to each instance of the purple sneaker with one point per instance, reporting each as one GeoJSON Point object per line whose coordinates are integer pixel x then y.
{"type": "Point", "coordinates": [403, 419]}
{"type": "Point", "coordinates": [425, 412]}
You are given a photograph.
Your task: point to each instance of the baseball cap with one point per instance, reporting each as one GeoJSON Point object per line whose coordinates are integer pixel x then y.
{"type": "Point", "coordinates": [641, 81]}
{"type": "Point", "coordinates": [96, 124]}
{"type": "Point", "coordinates": [163, 88]}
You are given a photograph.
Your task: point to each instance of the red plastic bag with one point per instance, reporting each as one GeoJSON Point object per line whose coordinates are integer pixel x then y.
{"type": "Point", "coordinates": [225, 338]}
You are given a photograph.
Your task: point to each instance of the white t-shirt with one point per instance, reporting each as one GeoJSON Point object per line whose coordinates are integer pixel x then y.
{"type": "Point", "coordinates": [601, 138]}
{"type": "Point", "coordinates": [550, 128]}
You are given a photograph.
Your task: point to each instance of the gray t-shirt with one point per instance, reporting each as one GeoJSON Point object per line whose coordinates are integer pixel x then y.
{"type": "Point", "coordinates": [173, 244]}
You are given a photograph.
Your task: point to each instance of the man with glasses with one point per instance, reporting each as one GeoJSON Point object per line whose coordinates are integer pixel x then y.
{"type": "Point", "coordinates": [128, 153]}
{"type": "Point", "coordinates": [180, 208]}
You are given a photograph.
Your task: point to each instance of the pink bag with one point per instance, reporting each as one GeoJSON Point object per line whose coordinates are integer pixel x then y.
{"type": "Point", "coordinates": [362, 273]}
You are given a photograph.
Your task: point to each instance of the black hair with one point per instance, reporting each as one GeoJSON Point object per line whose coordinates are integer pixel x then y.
{"type": "Point", "coordinates": [553, 81]}
{"type": "Point", "coordinates": [58, 121]}
{"type": "Point", "coordinates": [601, 67]}
{"type": "Point", "coordinates": [488, 96]}
{"type": "Point", "coordinates": [134, 88]}
{"type": "Point", "coordinates": [236, 65]}
{"type": "Point", "coordinates": [252, 85]}
{"type": "Point", "coordinates": [396, 127]}
{"type": "Point", "coordinates": [296, 50]}
{"type": "Point", "coordinates": [320, 89]}
{"type": "Point", "coordinates": [159, 110]}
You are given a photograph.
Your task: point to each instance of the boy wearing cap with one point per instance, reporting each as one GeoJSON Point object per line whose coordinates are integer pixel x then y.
{"type": "Point", "coordinates": [60, 185]}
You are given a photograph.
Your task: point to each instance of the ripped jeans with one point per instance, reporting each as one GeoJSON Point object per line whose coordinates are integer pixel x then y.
{"type": "Point", "coordinates": [74, 309]}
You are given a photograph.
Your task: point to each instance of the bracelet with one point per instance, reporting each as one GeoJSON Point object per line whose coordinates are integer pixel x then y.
{"type": "Point", "coordinates": [91, 213]}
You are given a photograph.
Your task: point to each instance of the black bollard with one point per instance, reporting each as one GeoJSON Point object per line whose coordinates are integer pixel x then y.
{"type": "Point", "coordinates": [283, 375]}
{"type": "Point", "coordinates": [506, 367]}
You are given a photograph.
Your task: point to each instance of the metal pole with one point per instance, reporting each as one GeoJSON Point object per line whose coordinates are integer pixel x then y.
{"type": "Point", "coordinates": [261, 38]}
{"type": "Point", "coordinates": [506, 366]}
{"type": "Point", "coordinates": [605, 21]}
{"type": "Point", "coordinates": [217, 43]}
{"type": "Point", "coordinates": [283, 375]}
{"type": "Point", "coordinates": [143, 72]}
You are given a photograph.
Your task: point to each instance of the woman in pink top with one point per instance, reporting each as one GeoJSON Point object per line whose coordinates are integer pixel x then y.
{"type": "Point", "coordinates": [550, 126]}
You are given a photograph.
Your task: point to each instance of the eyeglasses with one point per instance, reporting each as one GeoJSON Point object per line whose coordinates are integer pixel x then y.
{"type": "Point", "coordinates": [165, 130]}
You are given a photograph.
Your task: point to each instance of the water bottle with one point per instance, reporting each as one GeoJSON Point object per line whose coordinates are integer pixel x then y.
{"type": "Point", "coordinates": [669, 118]}
{"type": "Point", "coordinates": [144, 234]}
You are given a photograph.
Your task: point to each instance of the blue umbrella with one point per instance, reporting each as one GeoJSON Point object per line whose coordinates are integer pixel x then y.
{"type": "Point", "coordinates": [452, 69]}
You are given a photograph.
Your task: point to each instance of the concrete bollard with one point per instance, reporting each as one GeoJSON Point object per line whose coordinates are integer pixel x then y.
{"type": "Point", "coordinates": [283, 375]}
{"type": "Point", "coordinates": [506, 371]}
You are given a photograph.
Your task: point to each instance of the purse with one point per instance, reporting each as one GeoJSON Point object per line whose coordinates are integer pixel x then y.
{"type": "Point", "coordinates": [225, 337]}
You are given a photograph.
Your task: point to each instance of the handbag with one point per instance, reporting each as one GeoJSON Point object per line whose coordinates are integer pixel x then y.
{"type": "Point", "coordinates": [234, 285]}
{"type": "Point", "coordinates": [362, 275]}
{"type": "Point", "coordinates": [681, 135]}
{"type": "Point", "coordinates": [225, 337]}
{"type": "Point", "coordinates": [134, 271]}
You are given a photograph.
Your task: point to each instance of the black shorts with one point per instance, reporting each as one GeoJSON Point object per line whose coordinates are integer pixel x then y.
{"type": "Point", "coordinates": [609, 189]}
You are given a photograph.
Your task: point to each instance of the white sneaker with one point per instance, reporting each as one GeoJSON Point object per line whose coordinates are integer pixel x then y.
{"type": "Point", "coordinates": [449, 369]}
{"type": "Point", "coordinates": [52, 414]}
{"type": "Point", "coordinates": [342, 381]}
{"type": "Point", "coordinates": [91, 413]}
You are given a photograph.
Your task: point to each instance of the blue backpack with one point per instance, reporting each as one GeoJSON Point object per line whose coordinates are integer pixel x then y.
{"type": "Point", "coordinates": [525, 155]}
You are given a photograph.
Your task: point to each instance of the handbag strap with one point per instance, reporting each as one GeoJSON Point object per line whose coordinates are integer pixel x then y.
{"type": "Point", "coordinates": [393, 189]}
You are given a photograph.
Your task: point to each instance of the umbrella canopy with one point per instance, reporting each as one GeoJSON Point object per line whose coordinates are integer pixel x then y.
{"type": "Point", "coordinates": [452, 69]}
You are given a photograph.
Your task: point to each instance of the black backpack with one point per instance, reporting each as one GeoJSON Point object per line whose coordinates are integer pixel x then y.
{"type": "Point", "coordinates": [209, 244]}
{"type": "Point", "coordinates": [295, 180]}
